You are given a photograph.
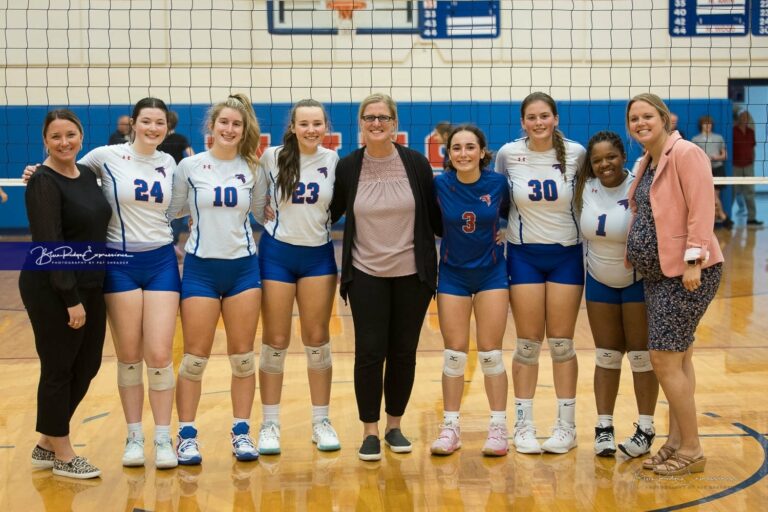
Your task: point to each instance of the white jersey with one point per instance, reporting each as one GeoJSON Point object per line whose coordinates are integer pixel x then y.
{"type": "Point", "coordinates": [305, 217]}
{"type": "Point", "coordinates": [605, 218]}
{"type": "Point", "coordinates": [541, 210]}
{"type": "Point", "coordinates": [220, 194]}
{"type": "Point", "coordinates": [138, 188]}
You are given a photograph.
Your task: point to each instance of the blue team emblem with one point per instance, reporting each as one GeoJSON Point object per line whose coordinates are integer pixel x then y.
{"type": "Point", "coordinates": [240, 177]}
{"type": "Point", "coordinates": [323, 171]}
{"type": "Point", "coordinates": [624, 203]}
{"type": "Point", "coordinates": [161, 170]}
{"type": "Point", "coordinates": [486, 198]}
{"type": "Point", "coordinates": [558, 167]}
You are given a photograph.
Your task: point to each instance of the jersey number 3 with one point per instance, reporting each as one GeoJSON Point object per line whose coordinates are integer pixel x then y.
{"type": "Point", "coordinates": [546, 189]}
{"type": "Point", "coordinates": [469, 222]}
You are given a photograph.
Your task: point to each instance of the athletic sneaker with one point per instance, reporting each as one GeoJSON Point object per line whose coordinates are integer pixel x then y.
{"type": "Point", "coordinates": [639, 444]}
{"type": "Point", "coordinates": [187, 449]}
{"type": "Point", "coordinates": [563, 438]}
{"type": "Point", "coordinates": [397, 442]}
{"type": "Point", "coordinates": [497, 444]}
{"type": "Point", "coordinates": [42, 458]}
{"type": "Point", "coordinates": [324, 436]}
{"type": "Point", "coordinates": [370, 449]}
{"type": "Point", "coordinates": [165, 456]}
{"type": "Point", "coordinates": [605, 441]}
{"type": "Point", "coordinates": [525, 438]}
{"type": "Point", "coordinates": [269, 439]}
{"type": "Point", "coordinates": [133, 454]}
{"type": "Point", "coordinates": [242, 444]}
{"type": "Point", "coordinates": [447, 441]}
{"type": "Point", "coordinates": [78, 467]}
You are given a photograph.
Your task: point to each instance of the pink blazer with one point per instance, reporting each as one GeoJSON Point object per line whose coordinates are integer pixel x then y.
{"type": "Point", "coordinates": [683, 204]}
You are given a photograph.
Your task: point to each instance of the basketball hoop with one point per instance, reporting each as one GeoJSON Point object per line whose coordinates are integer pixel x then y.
{"type": "Point", "coordinates": [345, 8]}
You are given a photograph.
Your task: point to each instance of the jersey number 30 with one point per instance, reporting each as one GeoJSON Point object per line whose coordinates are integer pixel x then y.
{"type": "Point", "coordinates": [546, 189]}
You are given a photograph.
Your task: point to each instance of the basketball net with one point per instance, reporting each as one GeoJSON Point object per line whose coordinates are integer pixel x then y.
{"type": "Point", "coordinates": [345, 8]}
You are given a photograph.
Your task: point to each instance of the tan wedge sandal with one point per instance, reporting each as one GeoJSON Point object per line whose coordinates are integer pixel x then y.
{"type": "Point", "coordinates": [661, 456]}
{"type": "Point", "coordinates": [681, 465]}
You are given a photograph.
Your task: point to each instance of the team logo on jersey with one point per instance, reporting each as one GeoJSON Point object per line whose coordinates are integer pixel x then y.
{"type": "Point", "coordinates": [240, 177]}
{"type": "Point", "coordinates": [208, 166]}
{"type": "Point", "coordinates": [520, 159]}
{"type": "Point", "coordinates": [594, 190]}
{"type": "Point", "coordinates": [486, 198]}
{"type": "Point", "coordinates": [161, 170]}
{"type": "Point", "coordinates": [624, 203]}
{"type": "Point", "coordinates": [558, 167]}
{"type": "Point", "coordinates": [323, 171]}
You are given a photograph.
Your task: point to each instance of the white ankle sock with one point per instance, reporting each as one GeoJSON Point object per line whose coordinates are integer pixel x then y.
{"type": "Point", "coordinates": [271, 413]}
{"type": "Point", "coordinates": [566, 410]}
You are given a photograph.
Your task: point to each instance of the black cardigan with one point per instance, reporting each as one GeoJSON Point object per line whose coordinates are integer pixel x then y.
{"type": "Point", "coordinates": [427, 223]}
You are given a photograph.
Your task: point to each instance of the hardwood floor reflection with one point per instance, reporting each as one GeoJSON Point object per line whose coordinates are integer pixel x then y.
{"type": "Point", "coordinates": [732, 370]}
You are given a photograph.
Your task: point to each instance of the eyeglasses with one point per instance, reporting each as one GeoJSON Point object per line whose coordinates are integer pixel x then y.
{"type": "Point", "coordinates": [381, 119]}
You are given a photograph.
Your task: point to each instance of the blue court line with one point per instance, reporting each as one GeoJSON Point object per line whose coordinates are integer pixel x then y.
{"type": "Point", "coordinates": [761, 472]}
{"type": "Point", "coordinates": [91, 418]}
{"type": "Point", "coordinates": [711, 414]}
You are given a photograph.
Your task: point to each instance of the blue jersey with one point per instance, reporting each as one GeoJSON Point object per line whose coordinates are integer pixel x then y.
{"type": "Point", "coordinates": [471, 214]}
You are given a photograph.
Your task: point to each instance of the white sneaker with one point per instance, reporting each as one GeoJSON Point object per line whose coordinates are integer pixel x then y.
{"type": "Point", "coordinates": [639, 444]}
{"type": "Point", "coordinates": [605, 442]}
{"type": "Point", "coordinates": [187, 448]}
{"type": "Point", "coordinates": [165, 455]}
{"type": "Point", "coordinates": [133, 454]}
{"type": "Point", "coordinates": [525, 438]}
{"type": "Point", "coordinates": [563, 438]}
{"type": "Point", "coordinates": [242, 444]}
{"type": "Point", "coordinates": [269, 439]}
{"type": "Point", "coordinates": [324, 436]}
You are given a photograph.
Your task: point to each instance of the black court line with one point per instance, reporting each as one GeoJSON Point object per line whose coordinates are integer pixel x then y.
{"type": "Point", "coordinates": [761, 472]}
{"type": "Point", "coordinates": [91, 418]}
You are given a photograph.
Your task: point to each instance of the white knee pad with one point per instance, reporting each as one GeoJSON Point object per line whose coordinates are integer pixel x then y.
{"type": "Point", "coordinates": [192, 367]}
{"type": "Point", "coordinates": [319, 358]}
{"type": "Point", "coordinates": [527, 352]}
{"type": "Point", "coordinates": [608, 359]}
{"type": "Point", "coordinates": [561, 349]}
{"type": "Point", "coordinates": [272, 360]}
{"type": "Point", "coordinates": [130, 374]}
{"type": "Point", "coordinates": [491, 362]}
{"type": "Point", "coordinates": [454, 363]}
{"type": "Point", "coordinates": [640, 361]}
{"type": "Point", "coordinates": [160, 379]}
{"type": "Point", "coordinates": [243, 365]}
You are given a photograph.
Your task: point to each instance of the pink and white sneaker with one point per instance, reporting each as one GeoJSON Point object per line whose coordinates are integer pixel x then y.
{"type": "Point", "coordinates": [497, 444]}
{"type": "Point", "coordinates": [448, 441]}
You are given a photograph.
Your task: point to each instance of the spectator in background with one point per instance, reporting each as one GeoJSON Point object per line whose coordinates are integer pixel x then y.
{"type": "Point", "coordinates": [673, 124]}
{"type": "Point", "coordinates": [123, 132]}
{"type": "Point", "coordinates": [175, 144]}
{"type": "Point", "coordinates": [744, 163]}
{"type": "Point", "coordinates": [713, 145]}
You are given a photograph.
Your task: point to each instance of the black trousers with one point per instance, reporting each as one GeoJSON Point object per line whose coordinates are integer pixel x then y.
{"type": "Point", "coordinates": [388, 313]}
{"type": "Point", "coordinates": [69, 358]}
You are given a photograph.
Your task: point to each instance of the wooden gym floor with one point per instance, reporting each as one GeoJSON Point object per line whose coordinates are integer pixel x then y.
{"type": "Point", "coordinates": [732, 371]}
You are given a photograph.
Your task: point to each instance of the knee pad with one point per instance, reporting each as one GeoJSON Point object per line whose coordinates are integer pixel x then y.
{"type": "Point", "coordinates": [527, 352]}
{"type": "Point", "coordinates": [130, 374]}
{"type": "Point", "coordinates": [272, 360]}
{"type": "Point", "coordinates": [454, 363]}
{"type": "Point", "coordinates": [192, 367]}
{"type": "Point", "coordinates": [561, 349]}
{"type": "Point", "coordinates": [640, 361]}
{"type": "Point", "coordinates": [608, 359]}
{"type": "Point", "coordinates": [160, 379]}
{"type": "Point", "coordinates": [243, 365]}
{"type": "Point", "coordinates": [319, 358]}
{"type": "Point", "coordinates": [491, 362]}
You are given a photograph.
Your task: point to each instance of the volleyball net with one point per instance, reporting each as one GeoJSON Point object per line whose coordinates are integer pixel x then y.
{"type": "Point", "coordinates": [456, 61]}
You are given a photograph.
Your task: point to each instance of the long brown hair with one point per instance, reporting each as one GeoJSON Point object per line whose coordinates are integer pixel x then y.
{"type": "Point", "coordinates": [558, 139]}
{"type": "Point", "coordinates": [289, 159]}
